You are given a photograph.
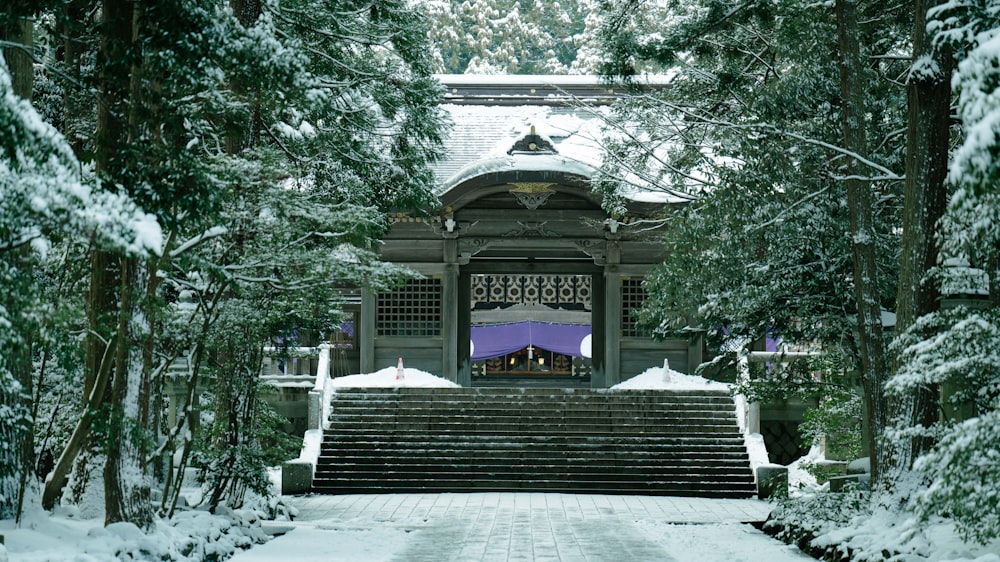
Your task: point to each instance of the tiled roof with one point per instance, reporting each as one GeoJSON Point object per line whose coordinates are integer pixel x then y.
{"type": "Point", "coordinates": [483, 131]}
{"type": "Point", "coordinates": [490, 113]}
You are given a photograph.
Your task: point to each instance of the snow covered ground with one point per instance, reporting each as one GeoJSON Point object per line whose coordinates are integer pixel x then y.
{"type": "Point", "coordinates": [66, 536]}
{"type": "Point", "coordinates": [524, 526]}
{"type": "Point", "coordinates": [63, 536]}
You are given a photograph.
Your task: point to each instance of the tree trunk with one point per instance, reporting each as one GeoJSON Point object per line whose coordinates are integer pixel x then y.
{"type": "Point", "coordinates": [125, 477]}
{"type": "Point", "coordinates": [19, 60]}
{"type": "Point", "coordinates": [862, 230]}
{"type": "Point", "coordinates": [75, 99]}
{"type": "Point", "coordinates": [113, 82]}
{"type": "Point", "coordinates": [19, 358]}
{"type": "Point", "coordinates": [928, 93]}
{"type": "Point", "coordinates": [126, 482]}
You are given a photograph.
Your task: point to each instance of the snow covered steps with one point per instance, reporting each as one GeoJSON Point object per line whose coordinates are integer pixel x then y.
{"type": "Point", "coordinates": [565, 440]}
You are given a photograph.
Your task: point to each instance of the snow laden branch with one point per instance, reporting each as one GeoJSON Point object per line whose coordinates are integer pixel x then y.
{"type": "Point", "coordinates": [643, 177]}
{"type": "Point", "coordinates": [886, 173]}
{"type": "Point", "coordinates": [213, 232]}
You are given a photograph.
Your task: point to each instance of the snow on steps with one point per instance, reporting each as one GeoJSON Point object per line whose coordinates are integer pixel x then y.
{"type": "Point", "coordinates": [665, 442]}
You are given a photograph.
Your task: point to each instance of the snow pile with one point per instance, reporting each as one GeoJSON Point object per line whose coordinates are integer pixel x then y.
{"type": "Point", "coordinates": [801, 480]}
{"type": "Point", "coordinates": [898, 532]}
{"type": "Point", "coordinates": [188, 536]}
{"type": "Point", "coordinates": [658, 378]}
{"type": "Point", "coordinates": [848, 524]}
{"type": "Point", "coordinates": [386, 378]}
{"type": "Point", "coordinates": [311, 443]}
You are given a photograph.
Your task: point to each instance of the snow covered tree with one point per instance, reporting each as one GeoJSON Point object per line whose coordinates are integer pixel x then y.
{"type": "Point", "coordinates": [267, 138]}
{"type": "Point", "coordinates": [925, 194]}
{"type": "Point", "coordinates": [46, 198]}
{"type": "Point", "coordinates": [746, 135]}
{"type": "Point", "coordinates": [793, 220]}
{"type": "Point", "coordinates": [955, 350]}
{"type": "Point", "coordinates": [513, 36]}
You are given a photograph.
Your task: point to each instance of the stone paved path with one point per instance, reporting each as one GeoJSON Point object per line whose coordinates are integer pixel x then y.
{"type": "Point", "coordinates": [513, 527]}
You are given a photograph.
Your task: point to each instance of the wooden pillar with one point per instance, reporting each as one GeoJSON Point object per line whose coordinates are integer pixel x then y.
{"type": "Point", "coordinates": [696, 342]}
{"type": "Point", "coordinates": [449, 322]}
{"type": "Point", "coordinates": [366, 330]}
{"type": "Point", "coordinates": [464, 329]}
{"type": "Point", "coordinates": [449, 311]}
{"type": "Point", "coordinates": [597, 333]}
{"type": "Point", "coordinates": [612, 325]}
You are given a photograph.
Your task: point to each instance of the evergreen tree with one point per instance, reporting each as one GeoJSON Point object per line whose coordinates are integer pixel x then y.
{"type": "Point", "coordinates": [513, 36]}
{"type": "Point", "coordinates": [746, 136]}
{"type": "Point", "coordinates": [955, 350]}
{"type": "Point", "coordinates": [746, 133]}
{"type": "Point", "coordinates": [46, 199]}
{"type": "Point", "coordinates": [204, 113]}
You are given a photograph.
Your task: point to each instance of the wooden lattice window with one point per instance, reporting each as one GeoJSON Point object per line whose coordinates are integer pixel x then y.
{"type": "Point", "coordinates": [413, 310]}
{"type": "Point", "coordinates": [557, 291]}
{"type": "Point", "coordinates": [632, 297]}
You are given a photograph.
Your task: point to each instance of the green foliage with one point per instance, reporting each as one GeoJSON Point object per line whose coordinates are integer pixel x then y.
{"type": "Point", "coordinates": [964, 468]}
{"type": "Point", "coordinates": [744, 137]}
{"type": "Point", "coordinates": [512, 36]}
{"type": "Point", "coordinates": [835, 411]}
{"type": "Point", "coordinates": [366, 123]}
{"type": "Point", "coordinates": [837, 419]}
{"type": "Point", "coordinates": [276, 446]}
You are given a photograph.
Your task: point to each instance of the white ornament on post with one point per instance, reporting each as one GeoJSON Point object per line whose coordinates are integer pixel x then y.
{"type": "Point", "coordinates": [666, 370]}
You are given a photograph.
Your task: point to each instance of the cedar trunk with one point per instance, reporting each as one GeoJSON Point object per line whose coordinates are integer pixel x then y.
{"type": "Point", "coordinates": [925, 198]}
{"type": "Point", "coordinates": [862, 229]}
{"type": "Point", "coordinates": [21, 67]}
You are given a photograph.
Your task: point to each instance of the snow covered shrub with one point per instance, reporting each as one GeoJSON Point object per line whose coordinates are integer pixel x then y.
{"type": "Point", "coordinates": [798, 520]}
{"type": "Point", "coordinates": [230, 471]}
{"type": "Point", "coordinates": [958, 350]}
{"type": "Point", "coordinates": [965, 472]}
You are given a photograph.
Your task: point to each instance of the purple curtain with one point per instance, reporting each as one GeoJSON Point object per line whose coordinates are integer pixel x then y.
{"type": "Point", "coordinates": [497, 340]}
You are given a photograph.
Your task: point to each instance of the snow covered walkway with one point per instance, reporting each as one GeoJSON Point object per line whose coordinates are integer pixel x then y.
{"type": "Point", "coordinates": [526, 527]}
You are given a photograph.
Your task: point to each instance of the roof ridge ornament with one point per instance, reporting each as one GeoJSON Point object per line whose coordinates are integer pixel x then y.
{"type": "Point", "coordinates": [533, 143]}
{"type": "Point", "coordinates": [532, 194]}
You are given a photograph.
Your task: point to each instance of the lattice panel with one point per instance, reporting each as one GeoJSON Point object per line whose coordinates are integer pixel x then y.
{"type": "Point", "coordinates": [632, 296]}
{"type": "Point", "coordinates": [565, 291]}
{"type": "Point", "coordinates": [413, 310]}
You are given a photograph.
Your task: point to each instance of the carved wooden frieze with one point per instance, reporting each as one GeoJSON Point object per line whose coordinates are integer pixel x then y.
{"type": "Point", "coordinates": [531, 230]}
{"type": "Point", "coordinates": [593, 248]}
{"type": "Point", "coordinates": [468, 247]}
{"type": "Point", "coordinates": [532, 194]}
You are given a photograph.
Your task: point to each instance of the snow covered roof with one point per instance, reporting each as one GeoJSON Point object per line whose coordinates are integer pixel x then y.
{"type": "Point", "coordinates": [490, 114]}
{"type": "Point", "coordinates": [482, 135]}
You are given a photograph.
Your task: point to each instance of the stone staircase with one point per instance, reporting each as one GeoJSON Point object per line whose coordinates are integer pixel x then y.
{"type": "Point", "coordinates": [682, 443]}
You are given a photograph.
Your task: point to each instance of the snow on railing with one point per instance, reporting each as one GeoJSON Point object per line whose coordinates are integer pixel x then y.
{"type": "Point", "coordinates": [291, 366]}
{"type": "Point", "coordinates": [319, 396]}
{"type": "Point", "coordinates": [747, 413]}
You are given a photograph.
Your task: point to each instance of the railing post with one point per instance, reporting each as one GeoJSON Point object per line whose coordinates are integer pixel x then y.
{"type": "Point", "coordinates": [751, 410]}
{"type": "Point", "coordinates": [318, 400]}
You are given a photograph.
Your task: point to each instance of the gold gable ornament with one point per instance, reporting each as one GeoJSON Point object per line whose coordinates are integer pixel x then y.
{"type": "Point", "coordinates": [532, 194]}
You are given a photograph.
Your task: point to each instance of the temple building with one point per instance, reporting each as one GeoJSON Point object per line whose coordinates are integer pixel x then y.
{"type": "Point", "coordinates": [526, 279]}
